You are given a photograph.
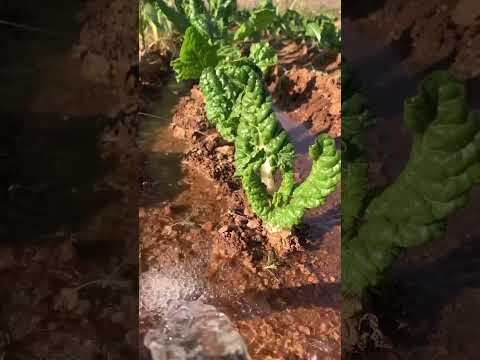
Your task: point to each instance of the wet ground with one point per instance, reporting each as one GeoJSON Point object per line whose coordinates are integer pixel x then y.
{"type": "Point", "coordinates": [198, 237]}
{"type": "Point", "coordinates": [66, 271]}
{"type": "Point", "coordinates": [437, 33]}
{"type": "Point", "coordinates": [427, 307]}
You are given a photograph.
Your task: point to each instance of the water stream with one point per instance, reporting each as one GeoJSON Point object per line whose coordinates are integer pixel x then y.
{"type": "Point", "coordinates": [164, 152]}
{"type": "Point", "coordinates": [181, 325]}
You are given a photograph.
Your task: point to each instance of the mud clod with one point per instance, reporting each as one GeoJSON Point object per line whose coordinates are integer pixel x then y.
{"type": "Point", "coordinates": [309, 97]}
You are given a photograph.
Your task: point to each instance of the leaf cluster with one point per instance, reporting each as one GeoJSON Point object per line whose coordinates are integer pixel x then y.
{"type": "Point", "coordinates": [238, 103]}
{"type": "Point", "coordinates": [443, 167]}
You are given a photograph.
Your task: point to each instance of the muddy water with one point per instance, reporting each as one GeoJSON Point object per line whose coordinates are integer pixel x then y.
{"type": "Point", "coordinates": [424, 312]}
{"type": "Point", "coordinates": [164, 152]}
{"type": "Point", "coordinates": [174, 252]}
{"type": "Point", "coordinates": [180, 211]}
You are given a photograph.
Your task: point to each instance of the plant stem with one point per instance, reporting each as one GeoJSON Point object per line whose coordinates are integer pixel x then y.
{"type": "Point", "coordinates": [266, 174]}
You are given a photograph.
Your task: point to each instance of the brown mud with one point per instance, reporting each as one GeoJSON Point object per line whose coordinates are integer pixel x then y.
{"type": "Point", "coordinates": [106, 27]}
{"type": "Point", "coordinates": [306, 85]}
{"type": "Point", "coordinates": [309, 97]}
{"type": "Point", "coordinates": [282, 294]}
{"type": "Point", "coordinates": [443, 33]}
{"type": "Point", "coordinates": [428, 304]}
{"type": "Point", "coordinates": [66, 263]}
{"type": "Point", "coordinates": [293, 53]}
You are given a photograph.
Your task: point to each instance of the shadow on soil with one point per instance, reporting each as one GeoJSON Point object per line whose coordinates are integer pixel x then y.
{"type": "Point", "coordinates": [270, 301]}
{"type": "Point", "coordinates": [321, 225]}
{"type": "Point", "coordinates": [426, 290]}
{"type": "Point", "coordinates": [55, 164]}
{"type": "Point", "coordinates": [354, 9]}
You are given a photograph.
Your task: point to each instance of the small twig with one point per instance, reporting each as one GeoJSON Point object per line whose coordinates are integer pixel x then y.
{"type": "Point", "coordinates": [201, 132]}
{"type": "Point", "coordinates": [153, 116]}
{"type": "Point", "coordinates": [107, 281]}
{"type": "Point", "coordinates": [30, 28]}
{"type": "Point", "coordinates": [185, 222]}
{"type": "Point", "coordinates": [271, 263]}
{"type": "Point", "coordinates": [273, 274]}
{"type": "Point", "coordinates": [104, 283]}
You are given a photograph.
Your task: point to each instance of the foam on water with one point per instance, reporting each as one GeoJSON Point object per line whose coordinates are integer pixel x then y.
{"type": "Point", "coordinates": [187, 328]}
{"type": "Point", "coordinates": [158, 289]}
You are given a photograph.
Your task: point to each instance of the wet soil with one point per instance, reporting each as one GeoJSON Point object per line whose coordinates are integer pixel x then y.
{"type": "Point", "coordinates": [67, 268]}
{"type": "Point", "coordinates": [305, 84]}
{"type": "Point", "coordinates": [282, 294]}
{"type": "Point", "coordinates": [293, 53]}
{"type": "Point", "coordinates": [423, 304]}
{"type": "Point", "coordinates": [309, 97]}
{"type": "Point", "coordinates": [108, 44]}
{"type": "Point", "coordinates": [438, 33]}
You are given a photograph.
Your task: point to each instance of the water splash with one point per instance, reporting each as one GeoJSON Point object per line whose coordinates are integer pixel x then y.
{"type": "Point", "coordinates": [194, 330]}
{"type": "Point", "coordinates": [159, 288]}
{"type": "Point", "coordinates": [186, 328]}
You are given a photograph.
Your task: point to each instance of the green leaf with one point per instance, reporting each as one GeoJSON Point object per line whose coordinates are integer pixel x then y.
{"type": "Point", "coordinates": [442, 169]}
{"type": "Point", "coordinates": [264, 56]}
{"type": "Point", "coordinates": [202, 20]}
{"type": "Point", "coordinates": [311, 193]}
{"type": "Point", "coordinates": [196, 54]}
{"type": "Point", "coordinates": [292, 23]}
{"type": "Point", "coordinates": [324, 32]}
{"type": "Point", "coordinates": [228, 52]}
{"type": "Point", "coordinates": [259, 20]}
{"type": "Point", "coordinates": [220, 93]}
{"type": "Point", "coordinates": [176, 18]}
{"type": "Point", "coordinates": [262, 148]}
{"type": "Point", "coordinates": [222, 9]}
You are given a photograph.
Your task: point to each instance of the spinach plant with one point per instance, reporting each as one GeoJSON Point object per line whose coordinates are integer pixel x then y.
{"type": "Point", "coordinates": [443, 167]}
{"type": "Point", "coordinates": [238, 103]}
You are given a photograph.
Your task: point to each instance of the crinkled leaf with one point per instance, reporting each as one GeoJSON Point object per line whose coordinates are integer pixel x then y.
{"type": "Point", "coordinates": [259, 20]}
{"type": "Point", "coordinates": [264, 56]}
{"type": "Point", "coordinates": [229, 52]}
{"type": "Point", "coordinates": [442, 169]}
{"type": "Point", "coordinates": [324, 32]}
{"type": "Point", "coordinates": [239, 105]}
{"type": "Point", "coordinates": [196, 54]}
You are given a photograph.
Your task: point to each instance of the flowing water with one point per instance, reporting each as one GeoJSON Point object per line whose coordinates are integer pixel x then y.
{"type": "Point", "coordinates": [164, 152]}
{"type": "Point", "coordinates": [180, 325]}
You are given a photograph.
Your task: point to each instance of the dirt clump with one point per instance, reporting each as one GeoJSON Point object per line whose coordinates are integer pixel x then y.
{"type": "Point", "coordinates": [213, 158]}
{"type": "Point", "coordinates": [242, 234]}
{"type": "Point", "coordinates": [306, 54]}
{"type": "Point", "coordinates": [208, 153]}
{"type": "Point", "coordinates": [309, 97]}
{"type": "Point", "coordinates": [106, 27]}
{"type": "Point", "coordinates": [431, 32]}
{"type": "Point", "coordinates": [190, 119]}
{"type": "Point", "coordinates": [154, 68]}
